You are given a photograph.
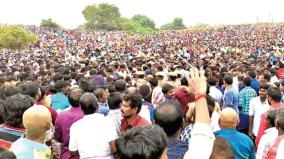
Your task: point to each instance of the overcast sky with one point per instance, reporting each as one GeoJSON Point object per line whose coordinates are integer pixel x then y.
{"type": "Point", "coordinates": [68, 13]}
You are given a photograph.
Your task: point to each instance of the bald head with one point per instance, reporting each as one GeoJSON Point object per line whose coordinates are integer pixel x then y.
{"type": "Point", "coordinates": [37, 120]}
{"type": "Point", "coordinates": [228, 118]}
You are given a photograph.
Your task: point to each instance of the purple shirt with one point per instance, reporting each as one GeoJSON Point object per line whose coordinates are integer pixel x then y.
{"type": "Point", "coordinates": [64, 121]}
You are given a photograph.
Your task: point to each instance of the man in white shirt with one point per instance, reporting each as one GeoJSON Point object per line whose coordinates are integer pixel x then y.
{"type": "Point", "coordinates": [257, 106]}
{"type": "Point", "coordinates": [269, 136]}
{"type": "Point", "coordinates": [92, 136]}
{"type": "Point", "coordinates": [214, 92]}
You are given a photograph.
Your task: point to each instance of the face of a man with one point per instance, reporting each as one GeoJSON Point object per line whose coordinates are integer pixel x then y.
{"type": "Point", "coordinates": [171, 94]}
{"type": "Point", "coordinates": [262, 93]}
{"type": "Point", "coordinates": [126, 110]}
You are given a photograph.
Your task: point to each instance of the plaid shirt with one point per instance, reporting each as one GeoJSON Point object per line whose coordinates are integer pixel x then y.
{"type": "Point", "coordinates": [245, 96]}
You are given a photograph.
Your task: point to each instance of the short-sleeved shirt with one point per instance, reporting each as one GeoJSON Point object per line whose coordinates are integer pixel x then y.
{"type": "Point", "coordinates": [256, 108]}
{"type": "Point", "coordinates": [27, 149]}
{"type": "Point", "coordinates": [230, 99]}
{"type": "Point", "coordinates": [241, 144]}
{"type": "Point", "coordinates": [245, 96]}
{"type": "Point", "coordinates": [91, 135]}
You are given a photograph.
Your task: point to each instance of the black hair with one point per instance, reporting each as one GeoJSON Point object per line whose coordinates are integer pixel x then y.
{"type": "Point", "coordinates": [252, 74]}
{"type": "Point", "coordinates": [212, 81]}
{"type": "Point", "coordinates": [114, 100]}
{"type": "Point", "coordinates": [2, 111]}
{"type": "Point", "coordinates": [144, 90]}
{"type": "Point", "coordinates": [120, 85]}
{"type": "Point", "coordinates": [184, 81]}
{"type": "Point", "coordinates": [89, 103]}
{"type": "Point", "coordinates": [99, 92]}
{"type": "Point", "coordinates": [169, 116]}
{"type": "Point", "coordinates": [228, 79]}
{"type": "Point", "coordinates": [148, 142]}
{"type": "Point", "coordinates": [31, 90]}
{"type": "Point", "coordinates": [59, 85]}
{"type": "Point", "coordinates": [5, 154]}
{"type": "Point", "coordinates": [264, 86]}
{"type": "Point", "coordinates": [247, 81]}
{"type": "Point", "coordinates": [135, 100]}
{"type": "Point", "coordinates": [280, 119]}
{"type": "Point", "coordinates": [154, 82]}
{"type": "Point", "coordinates": [166, 88]}
{"type": "Point", "coordinates": [74, 97]}
{"type": "Point", "coordinates": [10, 91]}
{"type": "Point", "coordinates": [86, 86]}
{"type": "Point", "coordinates": [15, 106]}
{"type": "Point", "coordinates": [222, 149]}
{"type": "Point", "coordinates": [274, 93]}
{"type": "Point", "coordinates": [111, 88]}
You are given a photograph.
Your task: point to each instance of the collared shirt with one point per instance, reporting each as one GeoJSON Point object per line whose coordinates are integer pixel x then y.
{"type": "Point", "coordinates": [176, 149]}
{"type": "Point", "coordinates": [256, 108]}
{"type": "Point", "coordinates": [60, 101]}
{"type": "Point", "coordinates": [241, 144]}
{"type": "Point", "coordinates": [91, 135]}
{"type": "Point", "coordinates": [62, 128]}
{"type": "Point", "coordinates": [138, 121]}
{"type": "Point", "coordinates": [266, 142]}
{"type": "Point", "coordinates": [263, 124]}
{"type": "Point", "coordinates": [245, 96]}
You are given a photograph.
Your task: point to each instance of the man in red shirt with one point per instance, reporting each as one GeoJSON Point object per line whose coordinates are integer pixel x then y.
{"type": "Point", "coordinates": [280, 71]}
{"type": "Point", "coordinates": [274, 99]}
{"type": "Point", "coordinates": [130, 108]}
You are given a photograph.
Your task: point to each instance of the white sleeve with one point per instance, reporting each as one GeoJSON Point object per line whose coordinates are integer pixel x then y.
{"type": "Point", "coordinates": [111, 129]}
{"type": "Point", "coordinates": [201, 142]}
{"type": "Point", "coordinates": [72, 141]}
{"type": "Point", "coordinates": [280, 152]}
{"type": "Point", "coordinates": [260, 148]}
{"type": "Point", "coordinates": [251, 107]}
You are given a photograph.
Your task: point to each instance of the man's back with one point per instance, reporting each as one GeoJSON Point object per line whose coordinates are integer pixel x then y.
{"type": "Point", "coordinates": [90, 136]}
{"type": "Point", "coordinates": [241, 144]}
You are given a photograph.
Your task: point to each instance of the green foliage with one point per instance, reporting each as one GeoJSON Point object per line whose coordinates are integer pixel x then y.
{"type": "Point", "coordinates": [144, 21]}
{"type": "Point", "coordinates": [177, 24]}
{"type": "Point", "coordinates": [49, 23]}
{"type": "Point", "coordinates": [131, 26]}
{"type": "Point", "coordinates": [103, 16]}
{"type": "Point", "coordinates": [14, 37]}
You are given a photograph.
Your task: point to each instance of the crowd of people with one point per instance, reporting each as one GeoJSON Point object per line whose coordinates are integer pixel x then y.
{"type": "Point", "coordinates": [213, 93]}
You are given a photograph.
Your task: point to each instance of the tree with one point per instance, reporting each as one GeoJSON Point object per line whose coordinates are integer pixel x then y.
{"type": "Point", "coordinates": [131, 26]}
{"type": "Point", "coordinates": [144, 21]}
{"type": "Point", "coordinates": [49, 23]}
{"type": "Point", "coordinates": [14, 37]}
{"type": "Point", "coordinates": [103, 16]}
{"type": "Point", "coordinates": [177, 24]}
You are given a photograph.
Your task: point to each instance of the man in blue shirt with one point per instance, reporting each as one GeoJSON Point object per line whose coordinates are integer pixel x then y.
{"type": "Point", "coordinates": [60, 100]}
{"type": "Point", "coordinates": [230, 98]}
{"type": "Point", "coordinates": [254, 82]}
{"type": "Point", "coordinates": [242, 145]}
{"type": "Point", "coordinates": [169, 116]}
{"type": "Point", "coordinates": [245, 96]}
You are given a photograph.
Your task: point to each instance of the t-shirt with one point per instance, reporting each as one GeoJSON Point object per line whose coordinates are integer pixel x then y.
{"type": "Point", "coordinates": [27, 149]}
